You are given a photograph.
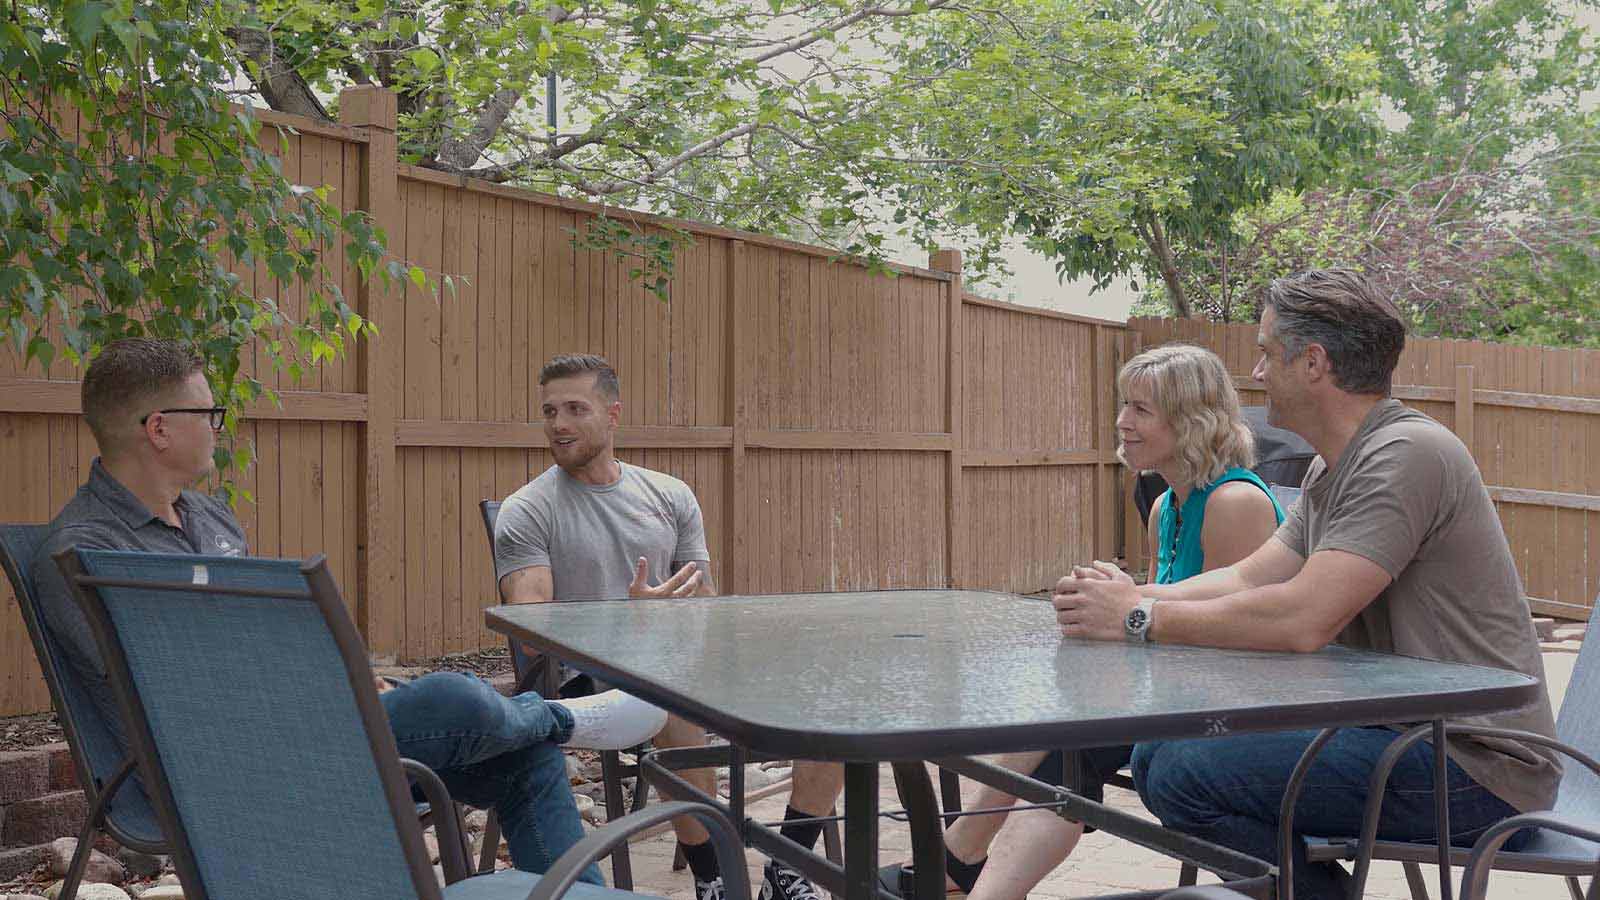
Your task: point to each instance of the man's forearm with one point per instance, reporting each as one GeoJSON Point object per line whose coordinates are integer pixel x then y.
{"type": "Point", "coordinates": [1259, 618]}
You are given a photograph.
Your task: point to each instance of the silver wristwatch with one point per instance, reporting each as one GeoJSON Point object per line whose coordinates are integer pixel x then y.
{"type": "Point", "coordinates": [1136, 625]}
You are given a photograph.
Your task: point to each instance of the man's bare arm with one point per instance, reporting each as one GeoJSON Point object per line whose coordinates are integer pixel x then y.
{"type": "Point", "coordinates": [1272, 563]}
{"type": "Point", "coordinates": [534, 584]}
{"type": "Point", "coordinates": [1302, 614]}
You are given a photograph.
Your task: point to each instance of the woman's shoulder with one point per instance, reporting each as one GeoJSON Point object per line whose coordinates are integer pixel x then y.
{"type": "Point", "coordinates": [1238, 499]}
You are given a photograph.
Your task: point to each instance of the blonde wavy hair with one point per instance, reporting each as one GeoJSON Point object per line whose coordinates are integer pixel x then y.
{"type": "Point", "coordinates": [1191, 389]}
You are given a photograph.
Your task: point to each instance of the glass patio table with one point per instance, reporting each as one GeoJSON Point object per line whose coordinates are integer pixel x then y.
{"type": "Point", "coordinates": [912, 676]}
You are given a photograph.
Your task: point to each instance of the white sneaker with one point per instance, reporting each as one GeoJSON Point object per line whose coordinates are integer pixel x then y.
{"type": "Point", "coordinates": [709, 890]}
{"type": "Point", "coordinates": [612, 721]}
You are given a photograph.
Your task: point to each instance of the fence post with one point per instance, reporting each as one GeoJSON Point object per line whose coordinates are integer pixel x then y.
{"type": "Point", "coordinates": [1464, 405]}
{"type": "Point", "coordinates": [1133, 533]}
{"type": "Point", "coordinates": [379, 591]}
{"type": "Point", "coordinates": [735, 518]}
{"type": "Point", "coordinates": [955, 531]}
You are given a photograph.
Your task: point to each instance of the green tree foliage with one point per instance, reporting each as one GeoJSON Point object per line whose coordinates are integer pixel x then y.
{"type": "Point", "coordinates": [130, 190]}
{"type": "Point", "coordinates": [1158, 121]}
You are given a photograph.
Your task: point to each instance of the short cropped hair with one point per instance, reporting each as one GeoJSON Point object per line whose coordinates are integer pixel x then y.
{"type": "Point", "coordinates": [569, 364]}
{"type": "Point", "coordinates": [1362, 330]}
{"type": "Point", "coordinates": [1191, 389]}
{"type": "Point", "coordinates": [130, 375]}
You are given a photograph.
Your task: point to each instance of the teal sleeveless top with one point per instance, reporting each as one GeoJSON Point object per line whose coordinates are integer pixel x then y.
{"type": "Point", "coordinates": [1178, 552]}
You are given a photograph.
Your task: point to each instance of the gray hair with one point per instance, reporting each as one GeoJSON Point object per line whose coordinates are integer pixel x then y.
{"type": "Point", "coordinates": [1361, 330]}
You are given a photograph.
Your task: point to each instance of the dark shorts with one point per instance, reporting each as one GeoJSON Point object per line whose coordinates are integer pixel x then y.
{"type": "Point", "coordinates": [1095, 766]}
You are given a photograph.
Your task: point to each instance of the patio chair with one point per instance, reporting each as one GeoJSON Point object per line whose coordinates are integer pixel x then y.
{"type": "Point", "coordinates": [275, 772]}
{"type": "Point", "coordinates": [1564, 842]}
{"type": "Point", "coordinates": [116, 803]}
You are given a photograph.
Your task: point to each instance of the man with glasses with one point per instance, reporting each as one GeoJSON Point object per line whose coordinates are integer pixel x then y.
{"type": "Point", "coordinates": [155, 422]}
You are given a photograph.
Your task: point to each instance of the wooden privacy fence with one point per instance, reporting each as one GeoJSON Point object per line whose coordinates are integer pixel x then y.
{"type": "Point", "coordinates": [1530, 415]}
{"type": "Point", "coordinates": [842, 429]}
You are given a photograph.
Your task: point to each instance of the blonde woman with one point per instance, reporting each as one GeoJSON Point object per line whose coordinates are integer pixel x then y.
{"type": "Point", "coordinates": [1180, 418]}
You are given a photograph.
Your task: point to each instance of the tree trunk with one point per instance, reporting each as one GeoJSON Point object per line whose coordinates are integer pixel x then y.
{"type": "Point", "coordinates": [1155, 237]}
{"type": "Point", "coordinates": [280, 85]}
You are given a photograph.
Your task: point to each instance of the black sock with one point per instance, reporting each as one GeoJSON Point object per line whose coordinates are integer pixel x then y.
{"type": "Point", "coordinates": [702, 860]}
{"type": "Point", "coordinates": [804, 834]}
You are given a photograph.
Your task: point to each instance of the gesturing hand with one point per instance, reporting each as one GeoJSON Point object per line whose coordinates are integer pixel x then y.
{"type": "Point", "coordinates": [683, 583]}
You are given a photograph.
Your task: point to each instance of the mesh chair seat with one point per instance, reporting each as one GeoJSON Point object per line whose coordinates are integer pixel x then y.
{"type": "Point", "coordinates": [511, 884]}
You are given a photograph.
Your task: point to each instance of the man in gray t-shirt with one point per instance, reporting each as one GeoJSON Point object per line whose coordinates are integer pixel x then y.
{"type": "Point", "coordinates": [592, 527]}
{"type": "Point", "coordinates": [1394, 546]}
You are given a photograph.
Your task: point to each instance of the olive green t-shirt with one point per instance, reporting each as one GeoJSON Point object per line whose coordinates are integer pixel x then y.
{"type": "Point", "coordinates": [1406, 495]}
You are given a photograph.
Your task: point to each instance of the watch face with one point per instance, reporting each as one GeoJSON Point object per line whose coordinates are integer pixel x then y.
{"type": "Point", "coordinates": [1137, 619]}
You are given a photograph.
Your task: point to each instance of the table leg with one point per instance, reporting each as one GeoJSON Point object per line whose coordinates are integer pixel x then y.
{"type": "Point", "coordinates": [927, 842]}
{"type": "Point", "coordinates": [861, 831]}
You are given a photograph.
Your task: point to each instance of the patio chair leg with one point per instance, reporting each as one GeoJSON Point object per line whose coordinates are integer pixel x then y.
{"type": "Point", "coordinates": [1188, 875]}
{"type": "Point", "coordinates": [80, 856]}
{"type": "Point", "coordinates": [491, 844]}
{"type": "Point", "coordinates": [831, 845]}
{"type": "Point", "coordinates": [678, 862]}
{"type": "Point", "coordinates": [1414, 880]}
{"type": "Point", "coordinates": [1575, 888]}
{"type": "Point", "coordinates": [611, 777]}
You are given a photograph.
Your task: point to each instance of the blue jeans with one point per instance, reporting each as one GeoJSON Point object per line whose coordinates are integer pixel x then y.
{"type": "Point", "coordinates": [494, 751]}
{"type": "Point", "coordinates": [1227, 791]}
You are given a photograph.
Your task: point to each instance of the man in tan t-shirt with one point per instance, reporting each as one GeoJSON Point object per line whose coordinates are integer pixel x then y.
{"type": "Point", "coordinates": [1394, 546]}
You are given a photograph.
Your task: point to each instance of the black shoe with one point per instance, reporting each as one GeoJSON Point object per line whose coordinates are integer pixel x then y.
{"type": "Point", "coordinates": [780, 881]}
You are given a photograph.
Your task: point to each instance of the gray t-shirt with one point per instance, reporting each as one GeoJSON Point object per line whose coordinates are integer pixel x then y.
{"type": "Point", "coordinates": [1406, 495]}
{"type": "Point", "coordinates": [105, 515]}
{"type": "Point", "coordinates": [592, 536]}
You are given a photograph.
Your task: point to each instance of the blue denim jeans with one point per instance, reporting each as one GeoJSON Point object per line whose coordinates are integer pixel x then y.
{"type": "Point", "coordinates": [1227, 791]}
{"type": "Point", "coordinates": [494, 751]}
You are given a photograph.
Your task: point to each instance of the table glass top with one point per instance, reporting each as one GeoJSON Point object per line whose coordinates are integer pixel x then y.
{"type": "Point", "coordinates": [903, 674]}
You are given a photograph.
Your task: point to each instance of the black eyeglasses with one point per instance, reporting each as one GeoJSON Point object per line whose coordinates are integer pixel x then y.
{"type": "Point", "coordinates": [218, 414]}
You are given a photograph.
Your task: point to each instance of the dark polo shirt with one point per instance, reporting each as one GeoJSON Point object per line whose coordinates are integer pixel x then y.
{"type": "Point", "coordinates": [104, 515]}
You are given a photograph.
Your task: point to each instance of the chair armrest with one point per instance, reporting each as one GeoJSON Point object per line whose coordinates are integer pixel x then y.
{"type": "Point", "coordinates": [1391, 757]}
{"type": "Point", "coordinates": [446, 824]}
{"type": "Point", "coordinates": [725, 840]}
{"type": "Point", "coordinates": [1475, 880]}
{"type": "Point", "coordinates": [1204, 892]}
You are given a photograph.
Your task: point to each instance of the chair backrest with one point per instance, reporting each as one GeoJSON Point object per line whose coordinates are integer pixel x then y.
{"type": "Point", "coordinates": [97, 753]}
{"type": "Point", "coordinates": [1282, 460]}
{"type": "Point", "coordinates": [1286, 496]}
{"type": "Point", "coordinates": [256, 725]}
{"type": "Point", "coordinates": [521, 661]}
{"type": "Point", "coordinates": [1579, 725]}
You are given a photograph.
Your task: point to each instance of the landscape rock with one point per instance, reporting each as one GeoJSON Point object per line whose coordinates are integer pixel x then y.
{"type": "Point", "coordinates": [477, 820]}
{"type": "Point", "coordinates": [90, 891]}
{"type": "Point", "coordinates": [431, 842]}
{"type": "Point", "coordinates": [588, 809]}
{"type": "Point", "coordinates": [161, 892]}
{"type": "Point", "coordinates": [145, 865]}
{"type": "Point", "coordinates": [101, 869]}
{"type": "Point", "coordinates": [15, 861]}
